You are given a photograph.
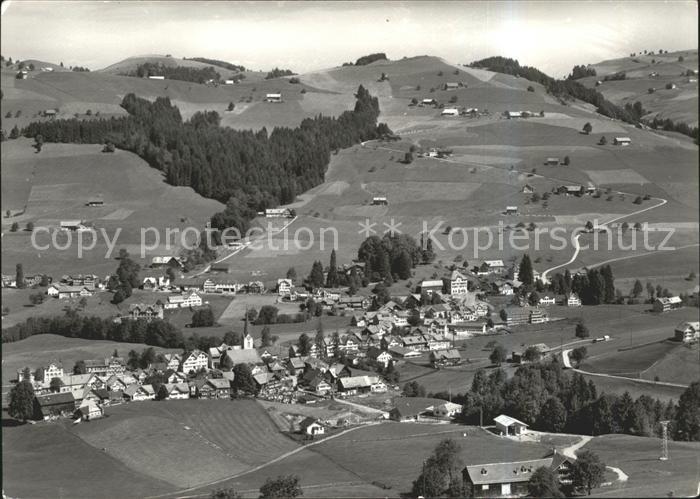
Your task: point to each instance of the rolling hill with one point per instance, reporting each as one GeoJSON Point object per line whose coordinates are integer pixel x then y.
{"type": "Point", "coordinates": [680, 104]}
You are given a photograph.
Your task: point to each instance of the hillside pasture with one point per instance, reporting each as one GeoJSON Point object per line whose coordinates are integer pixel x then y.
{"type": "Point", "coordinates": [638, 457]}
{"type": "Point", "coordinates": [62, 457]}
{"type": "Point", "coordinates": [159, 438]}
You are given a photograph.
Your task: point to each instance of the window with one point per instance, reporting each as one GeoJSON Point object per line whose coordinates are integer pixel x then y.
{"type": "Point", "coordinates": [485, 487]}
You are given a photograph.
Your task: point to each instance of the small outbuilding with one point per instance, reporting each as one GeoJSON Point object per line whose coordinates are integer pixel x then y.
{"type": "Point", "coordinates": [509, 426]}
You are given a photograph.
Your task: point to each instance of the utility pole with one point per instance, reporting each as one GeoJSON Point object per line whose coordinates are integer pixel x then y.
{"type": "Point", "coordinates": [423, 478]}
{"type": "Point", "coordinates": [664, 440]}
{"type": "Point", "coordinates": [481, 417]}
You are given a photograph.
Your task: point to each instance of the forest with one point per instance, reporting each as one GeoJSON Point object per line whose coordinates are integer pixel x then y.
{"type": "Point", "coordinates": [217, 62]}
{"type": "Point", "coordinates": [249, 171]}
{"type": "Point", "coordinates": [183, 73]}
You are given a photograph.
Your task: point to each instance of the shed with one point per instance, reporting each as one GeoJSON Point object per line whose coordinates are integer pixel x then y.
{"type": "Point", "coordinates": [504, 423]}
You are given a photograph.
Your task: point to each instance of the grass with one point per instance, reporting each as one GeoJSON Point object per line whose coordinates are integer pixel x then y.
{"type": "Point", "coordinates": [631, 362]}
{"type": "Point", "coordinates": [389, 453]}
{"type": "Point", "coordinates": [638, 457]}
{"type": "Point", "coordinates": [160, 438]}
{"type": "Point", "coordinates": [60, 456]}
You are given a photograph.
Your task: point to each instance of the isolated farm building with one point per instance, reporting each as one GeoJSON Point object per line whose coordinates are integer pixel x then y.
{"type": "Point", "coordinates": [518, 357]}
{"type": "Point", "coordinates": [470, 110]}
{"type": "Point", "coordinates": [431, 286]}
{"type": "Point", "coordinates": [53, 404]}
{"type": "Point", "coordinates": [89, 410]}
{"type": "Point", "coordinates": [278, 213]}
{"type": "Point", "coordinates": [442, 358]}
{"type": "Point", "coordinates": [95, 202]}
{"type": "Point", "coordinates": [50, 113]}
{"type": "Point", "coordinates": [447, 410]}
{"type": "Point", "coordinates": [429, 102]}
{"type": "Point", "coordinates": [380, 201]}
{"type": "Point", "coordinates": [452, 86]}
{"type": "Point", "coordinates": [458, 283]}
{"type": "Point", "coordinates": [572, 190]}
{"type": "Point", "coordinates": [156, 77]}
{"type": "Point", "coordinates": [229, 82]}
{"type": "Point", "coordinates": [145, 312]}
{"type": "Point", "coordinates": [510, 479]}
{"type": "Point", "coordinates": [509, 426]}
{"type": "Point", "coordinates": [688, 332]}
{"type": "Point", "coordinates": [573, 300]}
{"type": "Point", "coordinates": [22, 75]}
{"type": "Point", "coordinates": [450, 111]}
{"type": "Point", "coordinates": [548, 300]}
{"type": "Point", "coordinates": [527, 189]}
{"type": "Point", "coordinates": [284, 287]}
{"type": "Point", "coordinates": [622, 141]}
{"type": "Point", "coordinates": [664, 304]}
{"type": "Point", "coordinates": [514, 114]}
{"type": "Point", "coordinates": [273, 98]}
{"type": "Point", "coordinates": [311, 426]}
{"type": "Point", "coordinates": [194, 361]}
{"type": "Point", "coordinates": [511, 210]}
{"type": "Point", "coordinates": [220, 267]}
{"type": "Point", "coordinates": [408, 409]}
{"type": "Point", "coordinates": [72, 225]}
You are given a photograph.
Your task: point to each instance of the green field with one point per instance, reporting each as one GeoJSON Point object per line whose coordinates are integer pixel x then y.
{"type": "Point", "coordinates": [162, 439]}
{"type": "Point", "coordinates": [638, 457]}
{"type": "Point", "coordinates": [62, 458]}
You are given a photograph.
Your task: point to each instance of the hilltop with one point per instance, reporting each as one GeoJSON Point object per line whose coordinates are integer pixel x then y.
{"type": "Point", "coordinates": [652, 71]}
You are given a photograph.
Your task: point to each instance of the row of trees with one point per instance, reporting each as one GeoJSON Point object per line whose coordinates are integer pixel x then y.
{"type": "Point", "coordinates": [549, 399]}
{"type": "Point", "coordinates": [183, 73]}
{"type": "Point", "coordinates": [217, 62]}
{"type": "Point", "coordinates": [277, 73]}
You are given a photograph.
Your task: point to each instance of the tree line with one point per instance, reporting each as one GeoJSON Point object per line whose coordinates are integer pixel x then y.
{"type": "Point", "coordinates": [182, 73]}
{"type": "Point", "coordinates": [368, 59]}
{"type": "Point", "coordinates": [548, 398]}
{"type": "Point", "coordinates": [277, 73]}
{"type": "Point", "coordinates": [217, 62]}
{"type": "Point", "coordinates": [581, 72]}
{"type": "Point", "coordinates": [249, 171]}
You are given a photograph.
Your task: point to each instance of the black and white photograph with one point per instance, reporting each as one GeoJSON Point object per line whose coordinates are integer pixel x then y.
{"type": "Point", "coordinates": [349, 249]}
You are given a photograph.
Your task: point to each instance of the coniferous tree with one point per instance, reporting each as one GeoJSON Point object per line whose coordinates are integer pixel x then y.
{"type": "Point", "coordinates": [332, 277]}
{"type": "Point", "coordinates": [525, 272]}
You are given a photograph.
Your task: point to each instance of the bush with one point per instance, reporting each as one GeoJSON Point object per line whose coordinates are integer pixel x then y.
{"type": "Point", "coordinates": [530, 88]}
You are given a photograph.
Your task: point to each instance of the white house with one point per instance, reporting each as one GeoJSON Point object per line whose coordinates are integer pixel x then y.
{"type": "Point", "coordinates": [273, 98]}
{"type": "Point", "coordinates": [447, 410]}
{"type": "Point", "coordinates": [311, 426]}
{"type": "Point", "coordinates": [688, 332]}
{"type": "Point", "coordinates": [184, 300]}
{"type": "Point", "coordinates": [178, 391]}
{"type": "Point", "coordinates": [622, 141]}
{"type": "Point", "coordinates": [156, 77]}
{"type": "Point", "coordinates": [284, 287]}
{"type": "Point", "coordinates": [505, 423]}
{"type": "Point", "coordinates": [194, 361]}
{"type": "Point", "coordinates": [450, 111]}
{"type": "Point", "coordinates": [458, 283]}
{"type": "Point", "coordinates": [53, 370]}
{"type": "Point", "coordinates": [547, 300]}
{"type": "Point", "coordinates": [139, 392]}
{"type": "Point", "coordinates": [428, 102]}
{"type": "Point", "coordinates": [573, 300]}
{"type": "Point", "coordinates": [511, 210]}
{"type": "Point", "coordinates": [229, 82]}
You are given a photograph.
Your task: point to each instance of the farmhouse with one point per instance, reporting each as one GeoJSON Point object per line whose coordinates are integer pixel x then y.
{"type": "Point", "coordinates": [664, 304]}
{"type": "Point", "coordinates": [63, 292]}
{"type": "Point", "coordinates": [379, 356]}
{"type": "Point", "coordinates": [89, 410]}
{"type": "Point", "coordinates": [527, 189]}
{"type": "Point", "coordinates": [320, 386]}
{"type": "Point", "coordinates": [450, 111]}
{"type": "Point", "coordinates": [278, 213]}
{"type": "Point", "coordinates": [215, 388]}
{"type": "Point", "coordinates": [72, 225]}
{"type": "Point", "coordinates": [194, 361]}
{"type": "Point", "coordinates": [355, 302]}
{"type": "Point", "coordinates": [139, 392]}
{"type": "Point", "coordinates": [401, 352]}
{"type": "Point", "coordinates": [94, 202]}
{"type": "Point", "coordinates": [53, 404]}
{"type": "Point", "coordinates": [447, 410]}
{"type": "Point", "coordinates": [514, 114]}
{"type": "Point", "coordinates": [573, 300]}
{"type": "Point", "coordinates": [442, 358]}
{"type": "Point", "coordinates": [511, 210]}
{"type": "Point", "coordinates": [551, 161]}
{"type": "Point", "coordinates": [688, 332]}
{"type": "Point", "coordinates": [408, 409]}
{"type": "Point", "coordinates": [284, 287]}
{"type": "Point", "coordinates": [509, 479]}
{"type": "Point", "coordinates": [380, 201]}
{"type": "Point", "coordinates": [361, 384]}
{"type": "Point", "coordinates": [519, 357]}
{"type": "Point", "coordinates": [311, 426]}
{"type": "Point", "coordinates": [505, 423]}
{"type": "Point", "coordinates": [184, 300]}
{"type": "Point", "coordinates": [273, 98]}
{"type": "Point", "coordinates": [452, 86]}
{"type": "Point", "coordinates": [145, 312]}
{"type": "Point", "coordinates": [156, 77]}
{"type": "Point", "coordinates": [572, 190]}
{"type": "Point", "coordinates": [429, 102]}
{"type": "Point", "coordinates": [622, 141]}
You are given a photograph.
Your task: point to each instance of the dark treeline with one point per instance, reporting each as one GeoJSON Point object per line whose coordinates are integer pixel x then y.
{"type": "Point", "coordinates": [390, 256]}
{"type": "Point", "coordinates": [158, 333]}
{"type": "Point", "coordinates": [595, 287]}
{"type": "Point", "coordinates": [670, 126]}
{"type": "Point", "coordinates": [249, 171]}
{"type": "Point", "coordinates": [620, 75]}
{"type": "Point", "coordinates": [549, 399]}
{"type": "Point", "coordinates": [560, 88]}
{"type": "Point", "coordinates": [368, 59]}
{"type": "Point", "coordinates": [217, 62]}
{"type": "Point", "coordinates": [581, 72]}
{"type": "Point", "coordinates": [277, 73]}
{"type": "Point", "coordinates": [184, 73]}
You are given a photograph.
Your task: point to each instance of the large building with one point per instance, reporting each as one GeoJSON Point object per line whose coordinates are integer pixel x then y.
{"type": "Point", "coordinates": [458, 283]}
{"type": "Point", "coordinates": [688, 332]}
